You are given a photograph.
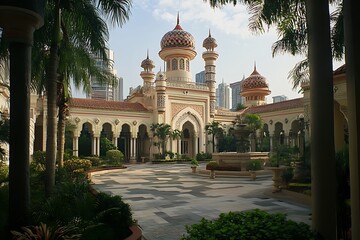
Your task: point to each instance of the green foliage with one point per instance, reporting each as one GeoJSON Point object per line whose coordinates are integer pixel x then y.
{"type": "Point", "coordinates": [287, 175]}
{"type": "Point", "coordinates": [68, 154]}
{"type": "Point", "coordinates": [239, 107]}
{"type": "Point", "coordinates": [4, 172]}
{"type": "Point", "coordinates": [254, 165]}
{"type": "Point", "coordinates": [227, 143]}
{"type": "Point", "coordinates": [283, 155]}
{"type": "Point", "coordinates": [77, 165]}
{"type": "Point", "coordinates": [255, 225]}
{"type": "Point", "coordinates": [95, 160]}
{"type": "Point", "coordinates": [253, 121]}
{"type": "Point", "coordinates": [212, 165]}
{"type": "Point", "coordinates": [4, 135]}
{"type": "Point", "coordinates": [105, 146]}
{"type": "Point", "coordinates": [343, 192]}
{"type": "Point", "coordinates": [45, 232]}
{"type": "Point", "coordinates": [115, 157]}
{"type": "Point", "coordinates": [38, 161]}
{"type": "Point", "coordinates": [39, 157]}
{"type": "Point", "coordinates": [194, 162]}
{"type": "Point", "coordinates": [203, 156]}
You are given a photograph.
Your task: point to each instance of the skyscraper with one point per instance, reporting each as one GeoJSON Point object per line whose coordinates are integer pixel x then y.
{"type": "Point", "coordinates": [223, 95]}
{"type": "Point", "coordinates": [105, 90]}
{"type": "Point", "coordinates": [235, 94]}
{"type": "Point", "coordinates": [200, 77]}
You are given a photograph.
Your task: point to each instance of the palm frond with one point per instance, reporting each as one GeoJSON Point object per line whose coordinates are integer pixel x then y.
{"type": "Point", "coordinates": [116, 11]}
{"type": "Point", "coordinates": [299, 74]}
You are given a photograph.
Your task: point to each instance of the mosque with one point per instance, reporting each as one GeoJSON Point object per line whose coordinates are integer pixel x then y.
{"type": "Point", "coordinates": [172, 97]}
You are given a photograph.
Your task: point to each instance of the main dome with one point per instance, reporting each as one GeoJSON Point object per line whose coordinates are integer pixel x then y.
{"type": "Point", "coordinates": [255, 80]}
{"type": "Point", "coordinates": [177, 38]}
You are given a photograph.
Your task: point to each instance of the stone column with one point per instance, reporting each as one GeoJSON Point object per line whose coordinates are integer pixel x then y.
{"type": "Point", "coordinates": [352, 40]}
{"type": "Point", "coordinates": [76, 146]}
{"type": "Point", "coordinates": [19, 23]}
{"type": "Point", "coordinates": [196, 143]}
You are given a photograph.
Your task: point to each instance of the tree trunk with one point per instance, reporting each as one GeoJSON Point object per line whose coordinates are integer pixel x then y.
{"type": "Point", "coordinates": [323, 186]}
{"type": "Point", "coordinates": [51, 106]}
{"type": "Point", "coordinates": [351, 26]}
{"type": "Point", "coordinates": [61, 135]}
{"type": "Point", "coordinates": [19, 182]}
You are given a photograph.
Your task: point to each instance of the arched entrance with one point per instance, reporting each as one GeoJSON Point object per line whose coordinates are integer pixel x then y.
{"type": "Point", "coordinates": [143, 143]}
{"type": "Point", "coordinates": [85, 140]}
{"type": "Point", "coordinates": [106, 136]}
{"type": "Point", "coordinates": [124, 141]}
{"type": "Point", "coordinates": [189, 141]}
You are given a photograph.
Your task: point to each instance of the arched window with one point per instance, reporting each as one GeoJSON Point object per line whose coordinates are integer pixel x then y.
{"type": "Point", "coordinates": [174, 64]}
{"type": "Point", "coordinates": [182, 64]}
{"type": "Point", "coordinates": [168, 65]}
{"type": "Point", "coordinates": [187, 65]}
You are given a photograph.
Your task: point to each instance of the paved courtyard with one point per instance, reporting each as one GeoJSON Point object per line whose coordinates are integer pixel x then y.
{"type": "Point", "coordinates": [164, 198]}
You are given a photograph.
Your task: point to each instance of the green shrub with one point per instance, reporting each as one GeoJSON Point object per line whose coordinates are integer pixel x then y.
{"type": "Point", "coordinates": [203, 156]}
{"type": "Point", "coordinates": [255, 224]}
{"type": "Point", "coordinates": [95, 160]}
{"type": "Point", "coordinates": [39, 157]}
{"type": "Point", "coordinates": [68, 154]}
{"type": "Point", "coordinates": [254, 165]}
{"type": "Point", "coordinates": [287, 175]}
{"type": "Point", "coordinates": [115, 157]}
{"type": "Point", "coordinates": [4, 172]}
{"type": "Point", "coordinates": [194, 162]}
{"type": "Point", "coordinates": [212, 165]}
{"type": "Point", "coordinates": [77, 164]}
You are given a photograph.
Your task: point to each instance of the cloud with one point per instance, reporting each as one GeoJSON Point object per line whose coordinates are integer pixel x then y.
{"type": "Point", "coordinates": [231, 20]}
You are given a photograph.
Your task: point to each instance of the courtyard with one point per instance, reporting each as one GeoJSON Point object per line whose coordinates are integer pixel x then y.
{"type": "Point", "coordinates": [164, 198]}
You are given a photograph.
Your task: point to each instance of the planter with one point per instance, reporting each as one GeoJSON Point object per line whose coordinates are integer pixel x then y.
{"type": "Point", "coordinates": [252, 175]}
{"type": "Point", "coordinates": [277, 178]}
{"type": "Point", "coordinates": [212, 174]}
{"type": "Point", "coordinates": [136, 233]}
{"type": "Point", "coordinates": [193, 168]}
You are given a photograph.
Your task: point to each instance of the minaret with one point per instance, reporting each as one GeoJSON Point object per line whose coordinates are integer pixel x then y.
{"type": "Point", "coordinates": [254, 89]}
{"type": "Point", "coordinates": [210, 56]}
{"type": "Point", "coordinates": [147, 75]}
{"type": "Point", "coordinates": [177, 51]}
{"type": "Point", "coordinates": [160, 83]}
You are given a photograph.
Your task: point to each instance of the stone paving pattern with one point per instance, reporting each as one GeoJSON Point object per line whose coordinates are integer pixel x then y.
{"type": "Point", "coordinates": [164, 198]}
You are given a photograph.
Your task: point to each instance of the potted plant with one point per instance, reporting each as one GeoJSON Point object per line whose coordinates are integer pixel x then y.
{"type": "Point", "coordinates": [212, 166]}
{"type": "Point", "coordinates": [253, 166]}
{"type": "Point", "coordinates": [194, 165]}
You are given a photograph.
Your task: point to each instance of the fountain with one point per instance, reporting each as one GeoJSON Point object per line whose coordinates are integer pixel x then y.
{"type": "Point", "coordinates": [242, 156]}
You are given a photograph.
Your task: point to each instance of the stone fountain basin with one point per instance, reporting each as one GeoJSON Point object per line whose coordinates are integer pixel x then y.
{"type": "Point", "coordinates": [235, 159]}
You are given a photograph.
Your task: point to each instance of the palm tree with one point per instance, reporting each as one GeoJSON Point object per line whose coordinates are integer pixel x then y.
{"type": "Point", "coordinates": [117, 11]}
{"type": "Point", "coordinates": [162, 131]}
{"type": "Point", "coordinates": [319, 52]}
{"type": "Point", "coordinates": [214, 129]}
{"type": "Point", "coordinates": [176, 135]}
{"type": "Point", "coordinates": [254, 123]}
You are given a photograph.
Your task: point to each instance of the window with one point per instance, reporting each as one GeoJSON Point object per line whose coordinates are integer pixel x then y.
{"type": "Point", "coordinates": [174, 64]}
{"type": "Point", "coordinates": [182, 64]}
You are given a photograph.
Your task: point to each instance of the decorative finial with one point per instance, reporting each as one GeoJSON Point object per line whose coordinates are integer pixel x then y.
{"type": "Point", "coordinates": [147, 54]}
{"type": "Point", "coordinates": [209, 33]}
{"type": "Point", "coordinates": [178, 19]}
{"type": "Point", "coordinates": [254, 65]}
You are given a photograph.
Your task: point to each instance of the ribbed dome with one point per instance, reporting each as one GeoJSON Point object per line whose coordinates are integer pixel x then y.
{"type": "Point", "coordinates": [255, 80]}
{"type": "Point", "coordinates": [177, 38]}
{"type": "Point", "coordinates": [147, 63]}
{"type": "Point", "coordinates": [209, 42]}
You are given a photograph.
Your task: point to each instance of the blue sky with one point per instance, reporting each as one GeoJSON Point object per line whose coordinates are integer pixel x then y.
{"type": "Point", "coordinates": [238, 48]}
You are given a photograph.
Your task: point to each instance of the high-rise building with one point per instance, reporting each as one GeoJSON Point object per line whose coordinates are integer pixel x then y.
{"type": "Point", "coordinates": [223, 95]}
{"type": "Point", "coordinates": [236, 98]}
{"type": "Point", "coordinates": [279, 98]}
{"type": "Point", "coordinates": [200, 77]}
{"type": "Point", "coordinates": [118, 89]}
{"type": "Point", "coordinates": [104, 91]}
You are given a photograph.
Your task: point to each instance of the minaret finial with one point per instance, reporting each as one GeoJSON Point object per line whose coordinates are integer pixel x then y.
{"type": "Point", "coordinates": [178, 19]}
{"type": "Point", "coordinates": [254, 65]}
{"type": "Point", "coordinates": [209, 33]}
{"type": "Point", "coordinates": [147, 54]}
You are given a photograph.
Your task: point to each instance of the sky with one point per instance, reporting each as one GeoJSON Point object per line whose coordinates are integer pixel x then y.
{"type": "Point", "coordinates": [239, 49]}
